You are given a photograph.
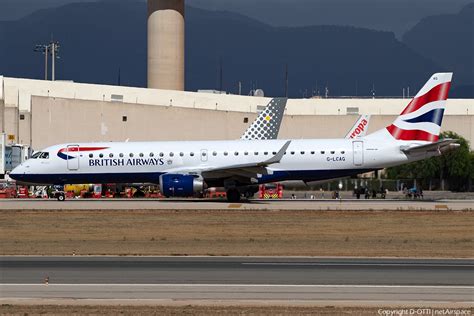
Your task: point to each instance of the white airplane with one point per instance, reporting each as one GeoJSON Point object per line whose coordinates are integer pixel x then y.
{"type": "Point", "coordinates": [183, 169]}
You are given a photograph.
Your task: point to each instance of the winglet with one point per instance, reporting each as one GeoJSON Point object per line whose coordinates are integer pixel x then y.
{"type": "Point", "coordinates": [277, 158]}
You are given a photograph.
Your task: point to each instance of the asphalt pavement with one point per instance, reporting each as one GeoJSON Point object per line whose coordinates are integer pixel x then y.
{"type": "Point", "coordinates": [237, 278]}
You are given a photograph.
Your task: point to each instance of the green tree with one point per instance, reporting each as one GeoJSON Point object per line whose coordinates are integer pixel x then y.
{"type": "Point", "coordinates": [457, 167]}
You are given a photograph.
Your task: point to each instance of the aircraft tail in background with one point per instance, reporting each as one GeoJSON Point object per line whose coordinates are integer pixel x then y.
{"type": "Point", "coordinates": [267, 124]}
{"type": "Point", "coordinates": [360, 127]}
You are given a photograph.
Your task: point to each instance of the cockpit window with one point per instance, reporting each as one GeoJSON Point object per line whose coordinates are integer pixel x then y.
{"type": "Point", "coordinates": [44, 155]}
{"type": "Point", "coordinates": [36, 155]}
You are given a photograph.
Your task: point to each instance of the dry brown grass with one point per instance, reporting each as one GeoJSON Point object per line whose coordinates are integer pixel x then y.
{"type": "Point", "coordinates": [183, 310]}
{"type": "Point", "coordinates": [236, 232]}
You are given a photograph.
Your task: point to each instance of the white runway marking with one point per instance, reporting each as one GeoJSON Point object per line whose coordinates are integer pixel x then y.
{"type": "Point", "coordinates": [421, 265]}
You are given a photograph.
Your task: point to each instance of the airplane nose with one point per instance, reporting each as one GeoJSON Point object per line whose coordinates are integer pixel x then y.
{"type": "Point", "coordinates": [18, 173]}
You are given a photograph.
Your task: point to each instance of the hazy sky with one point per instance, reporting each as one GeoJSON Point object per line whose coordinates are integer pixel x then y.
{"type": "Point", "coordinates": [389, 15]}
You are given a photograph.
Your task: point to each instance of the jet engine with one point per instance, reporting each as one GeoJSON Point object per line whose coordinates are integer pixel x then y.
{"type": "Point", "coordinates": [180, 185]}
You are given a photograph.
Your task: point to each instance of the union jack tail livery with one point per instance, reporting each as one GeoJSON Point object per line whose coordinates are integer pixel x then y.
{"type": "Point", "coordinates": [421, 119]}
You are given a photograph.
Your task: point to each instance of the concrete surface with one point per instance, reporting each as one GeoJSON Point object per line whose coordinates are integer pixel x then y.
{"type": "Point", "coordinates": [202, 204]}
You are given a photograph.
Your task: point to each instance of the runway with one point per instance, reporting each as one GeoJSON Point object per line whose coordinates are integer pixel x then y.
{"type": "Point", "coordinates": [202, 204]}
{"type": "Point", "coordinates": [238, 278]}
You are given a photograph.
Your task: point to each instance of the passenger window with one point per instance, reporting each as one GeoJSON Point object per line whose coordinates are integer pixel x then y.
{"type": "Point", "coordinates": [152, 155]}
{"type": "Point", "coordinates": [121, 155]}
{"type": "Point", "coordinates": [131, 155]}
{"type": "Point", "coordinates": [171, 154]}
{"type": "Point", "coordinates": [313, 152]}
{"type": "Point", "coordinates": [236, 153]}
{"type": "Point", "coordinates": [214, 153]}
{"type": "Point", "coordinates": [265, 153]}
{"type": "Point", "coordinates": [191, 154]}
{"type": "Point", "coordinates": [111, 155]}
{"type": "Point", "coordinates": [226, 153]}
{"type": "Point", "coordinates": [91, 155]}
{"type": "Point", "coordinates": [256, 153]}
{"type": "Point", "coordinates": [292, 153]}
{"type": "Point", "coordinates": [181, 154]}
{"type": "Point", "coordinates": [246, 153]}
{"type": "Point", "coordinates": [302, 152]}
{"type": "Point", "coordinates": [323, 152]}
{"type": "Point", "coordinates": [101, 155]}
{"type": "Point", "coordinates": [274, 152]}
{"type": "Point", "coordinates": [333, 152]}
{"type": "Point", "coordinates": [343, 152]}
{"type": "Point", "coordinates": [162, 154]}
{"type": "Point", "coordinates": [141, 154]}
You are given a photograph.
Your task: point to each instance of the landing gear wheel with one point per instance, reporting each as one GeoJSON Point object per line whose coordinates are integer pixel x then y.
{"type": "Point", "coordinates": [249, 194]}
{"type": "Point", "coordinates": [61, 197]}
{"type": "Point", "coordinates": [233, 196]}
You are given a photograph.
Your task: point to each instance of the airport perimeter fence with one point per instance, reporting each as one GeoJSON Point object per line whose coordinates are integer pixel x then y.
{"type": "Point", "coordinates": [353, 184]}
{"type": "Point", "coordinates": [391, 185]}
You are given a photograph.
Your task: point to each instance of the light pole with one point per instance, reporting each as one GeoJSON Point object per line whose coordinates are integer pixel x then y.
{"type": "Point", "coordinates": [54, 46]}
{"type": "Point", "coordinates": [45, 50]}
{"type": "Point", "coordinates": [49, 49]}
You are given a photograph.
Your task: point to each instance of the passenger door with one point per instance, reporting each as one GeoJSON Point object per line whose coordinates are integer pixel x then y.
{"type": "Point", "coordinates": [72, 157]}
{"type": "Point", "coordinates": [358, 151]}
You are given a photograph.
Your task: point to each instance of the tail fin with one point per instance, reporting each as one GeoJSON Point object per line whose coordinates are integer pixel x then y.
{"type": "Point", "coordinates": [421, 120]}
{"type": "Point", "coordinates": [267, 124]}
{"type": "Point", "coordinates": [360, 127]}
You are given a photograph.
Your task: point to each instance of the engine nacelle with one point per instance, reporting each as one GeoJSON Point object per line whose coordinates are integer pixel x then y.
{"type": "Point", "coordinates": [180, 185]}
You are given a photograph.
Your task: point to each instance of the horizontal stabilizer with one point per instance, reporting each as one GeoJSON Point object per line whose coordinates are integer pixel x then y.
{"type": "Point", "coordinates": [440, 146]}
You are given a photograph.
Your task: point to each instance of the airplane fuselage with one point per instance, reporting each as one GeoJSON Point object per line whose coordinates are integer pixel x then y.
{"type": "Point", "coordinates": [144, 162]}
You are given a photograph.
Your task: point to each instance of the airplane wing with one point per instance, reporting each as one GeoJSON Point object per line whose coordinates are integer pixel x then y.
{"type": "Point", "coordinates": [267, 124]}
{"type": "Point", "coordinates": [250, 170]}
{"type": "Point", "coordinates": [440, 146]}
{"type": "Point", "coordinates": [247, 171]}
{"type": "Point", "coordinates": [360, 127]}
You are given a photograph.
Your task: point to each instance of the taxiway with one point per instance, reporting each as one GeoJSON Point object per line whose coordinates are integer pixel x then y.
{"type": "Point", "coordinates": [202, 204]}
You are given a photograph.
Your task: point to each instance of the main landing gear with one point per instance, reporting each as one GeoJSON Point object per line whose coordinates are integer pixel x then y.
{"type": "Point", "coordinates": [233, 195]}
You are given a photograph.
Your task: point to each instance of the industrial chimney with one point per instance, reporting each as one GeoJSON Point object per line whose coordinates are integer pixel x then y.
{"type": "Point", "coordinates": [166, 44]}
